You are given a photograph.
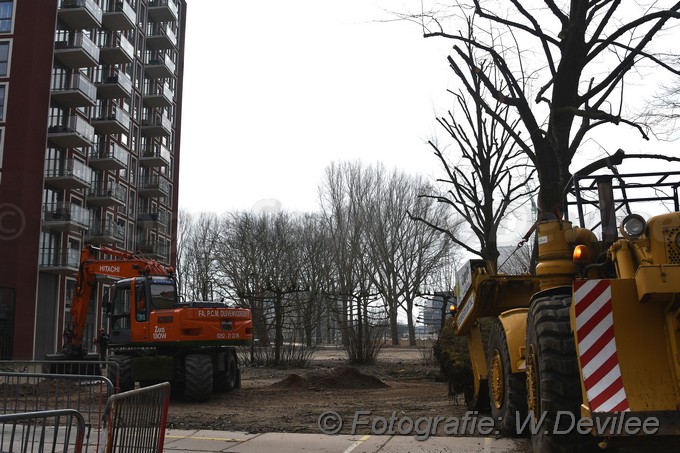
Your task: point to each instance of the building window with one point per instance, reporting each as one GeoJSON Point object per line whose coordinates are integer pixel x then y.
{"type": "Point", "coordinates": [4, 58]}
{"type": "Point", "coordinates": [6, 8]}
{"type": "Point", "coordinates": [2, 147]}
{"type": "Point", "coordinates": [3, 90]}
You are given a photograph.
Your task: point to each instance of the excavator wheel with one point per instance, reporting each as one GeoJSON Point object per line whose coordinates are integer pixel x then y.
{"type": "Point", "coordinates": [553, 381]}
{"type": "Point", "coordinates": [507, 390]}
{"type": "Point", "coordinates": [230, 378]}
{"type": "Point", "coordinates": [198, 384]}
{"type": "Point", "coordinates": [121, 376]}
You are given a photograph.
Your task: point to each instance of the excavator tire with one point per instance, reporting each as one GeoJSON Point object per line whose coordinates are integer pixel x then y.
{"type": "Point", "coordinates": [122, 377]}
{"type": "Point", "coordinates": [507, 390]}
{"type": "Point", "coordinates": [553, 380]}
{"type": "Point", "coordinates": [198, 383]}
{"type": "Point", "coordinates": [230, 378]}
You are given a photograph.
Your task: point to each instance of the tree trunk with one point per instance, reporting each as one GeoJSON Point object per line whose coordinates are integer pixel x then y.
{"type": "Point", "coordinates": [278, 328]}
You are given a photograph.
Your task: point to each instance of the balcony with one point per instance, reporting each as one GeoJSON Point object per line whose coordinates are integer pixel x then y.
{"type": "Point", "coordinates": [80, 14]}
{"type": "Point", "coordinates": [162, 10]}
{"type": "Point", "coordinates": [68, 174]}
{"type": "Point", "coordinates": [106, 196]}
{"type": "Point", "coordinates": [158, 95]}
{"type": "Point", "coordinates": [156, 126]}
{"type": "Point", "coordinates": [160, 37]}
{"type": "Point", "coordinates": [115, 86]}
{"type": "Point", "coordinates": [65, 217]}
{"type": "Point", "coordinates": [76, 133]}
{"type": "Point", "coordinates": [109, 156]}
{"type": "Point", "coordinates": [120, 16]}
{"type": "Point", "coordinates": [61, 262]}
{"type": "Point", "coordinates": [160, 68]}
{"type": "Point", "coordinates": [114, 48]}
{"type": "Point", "coordinates": [112, 120]}
{"type": "Point", "coordinates": [153, 219]}
{"type": "Point", "coordinates": [153, 186]}
{"type": "Point", "coordinates": [154, 249]}
{"type": "Point", "coordinates": [105, 232]}
{"type": "Point", "coordinates": [77, 52]}
{"type": "Point", "coordinates": [75, 90]}
{"type": "Point", "coordinates": [155, 155]}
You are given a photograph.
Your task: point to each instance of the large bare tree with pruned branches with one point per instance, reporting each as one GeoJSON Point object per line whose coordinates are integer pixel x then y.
{"type": "Point", "coordinates": [561, 68]}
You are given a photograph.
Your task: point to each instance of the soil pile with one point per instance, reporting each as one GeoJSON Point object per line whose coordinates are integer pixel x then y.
{"type": "Point", "coordinates": [339, 378]}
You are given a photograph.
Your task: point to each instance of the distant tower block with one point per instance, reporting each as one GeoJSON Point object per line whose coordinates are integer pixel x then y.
{"type": "Point", "coordinates": [267, 206]}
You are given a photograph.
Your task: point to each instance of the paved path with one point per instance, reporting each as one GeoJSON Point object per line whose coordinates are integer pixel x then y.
{"type": "Point", "coordinates": [204, 441]}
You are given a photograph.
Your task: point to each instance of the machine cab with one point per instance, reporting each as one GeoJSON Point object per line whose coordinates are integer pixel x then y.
{"type": "Point", "coordinates": [132, 301]}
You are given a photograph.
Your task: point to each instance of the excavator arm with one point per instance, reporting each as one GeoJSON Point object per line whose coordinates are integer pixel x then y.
{"type": "Point", "coordinates": [118, 265]}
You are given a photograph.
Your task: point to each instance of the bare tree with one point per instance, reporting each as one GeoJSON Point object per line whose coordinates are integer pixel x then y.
{"type": "Point", "coordinates": [344, 190]}
{"type": "Point", "coordinates": [199, 238]}
{"type": "Point", "coordinates": [403, 253]}
{"type": "Point", "coordinates": [576, 79]}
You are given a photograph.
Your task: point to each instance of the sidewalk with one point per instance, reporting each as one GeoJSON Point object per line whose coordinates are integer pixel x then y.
{"type": "Point", "coordinates": [205, 441]}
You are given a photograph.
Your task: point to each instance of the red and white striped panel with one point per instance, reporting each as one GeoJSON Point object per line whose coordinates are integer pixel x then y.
{"type": "Point", "coordinates": [597, 346]}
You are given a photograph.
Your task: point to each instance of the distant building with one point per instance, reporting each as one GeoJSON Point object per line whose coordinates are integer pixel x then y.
{"type": "Point", "coordinates": [433, 311]}
{"type": "Point", "coordinates": [90, 114]}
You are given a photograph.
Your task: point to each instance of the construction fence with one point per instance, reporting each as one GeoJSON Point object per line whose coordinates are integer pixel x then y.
{"type": "Point", "coordinates": [42, 411]}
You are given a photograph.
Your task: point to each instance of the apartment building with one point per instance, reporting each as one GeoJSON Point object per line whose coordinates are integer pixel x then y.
{"type": "Point", "coordinates": [90, 114]}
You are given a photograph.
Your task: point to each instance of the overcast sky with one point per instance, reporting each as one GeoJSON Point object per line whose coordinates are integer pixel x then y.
{"type": "Point", "coordinates": [274, 91]}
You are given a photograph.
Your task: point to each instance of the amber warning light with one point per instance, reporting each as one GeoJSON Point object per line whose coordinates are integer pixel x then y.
{"type": "Point", "coordinates": [581, 254]}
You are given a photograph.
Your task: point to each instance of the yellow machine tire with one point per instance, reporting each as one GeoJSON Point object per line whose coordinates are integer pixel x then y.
{"type": "Point", "coordinates": [507, 390]}
{"type": "Point", "coordinates": [553, 379]}
{"type": "Point", "coordinates": [476, 399]}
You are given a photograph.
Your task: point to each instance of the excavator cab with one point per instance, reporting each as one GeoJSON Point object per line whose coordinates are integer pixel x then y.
{"type": "Point", "coordinates": [133, 300]}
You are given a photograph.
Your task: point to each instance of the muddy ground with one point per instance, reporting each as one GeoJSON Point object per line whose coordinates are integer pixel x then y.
{"type": "Point", "coordinates": [291, 400]}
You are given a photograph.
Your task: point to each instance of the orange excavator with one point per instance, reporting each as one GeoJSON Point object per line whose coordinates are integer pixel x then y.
{"type": "Point", "coordinates": [152, 335]}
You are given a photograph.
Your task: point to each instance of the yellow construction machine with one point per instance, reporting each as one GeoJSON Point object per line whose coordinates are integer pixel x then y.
{"type": "Point", "coordinates": [585, 352]}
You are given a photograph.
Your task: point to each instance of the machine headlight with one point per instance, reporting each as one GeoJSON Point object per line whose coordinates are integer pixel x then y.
{"type": "Point", "coordinates": [677, 240]}
{"type": "Point", "coordinates": [633, 226]}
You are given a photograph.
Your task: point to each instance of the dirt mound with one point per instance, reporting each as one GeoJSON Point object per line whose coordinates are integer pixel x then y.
{"type": "Point", "coordinates": [339, 378]}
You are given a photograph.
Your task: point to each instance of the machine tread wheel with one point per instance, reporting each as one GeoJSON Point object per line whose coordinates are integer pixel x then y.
{"type": "Point", "coordinates": [124, 380]}
{"type": "Point", "coordinates": [553, 378]}
{"type": "Point", "coordinates": [198, 385]}
{"type": "Point", "coordinates": [229, 379]}
{"type": "Point", "coordinates": [507, 390]}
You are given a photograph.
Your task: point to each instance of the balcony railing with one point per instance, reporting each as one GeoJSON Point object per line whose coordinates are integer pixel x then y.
{"type": "Point", "coordinates": [64, 262]}
{"type": "Point", "coordinates": [115, 49]}
{"type": "Point", "coordinates": [111, 194]}
{"type": "Point", "coordinates": [67, 217]}
{"type": "Point", "coordinates": [80, 14]}
{"type": "Point", "coordinates": [119, 16]}
{"type": "Point", "coordinates": [162, 10]}
{"type": "Point", "coordinates": [155, 249]}
{"type": "Point", "coordinates": [67, 174]}
{"type": "Point", "coordinates": [155, 155]}
{"type": "Point", "coordinates": [74, 90]}
{"type": "Point", "coordinates": [115, 86]}
{"type": "Point", "coordinates": [105, 232]}
{"type": "Point", "coordinates": [153, 218]}
{"type": "Point", "coordinates": [76, 51]}
{"type": "Point", "coordinates": [153, 186]}
{"type": "Point", "coordinates": [74, 133]}
{"type": "Point", "coordinates": [111, 120]}
{"type": "Point", "coordinates": [159, 95]}
{"type": "Point", "coordinates": [109, 156]}
{"type": "Point", "coordinates": [160, 67]}
{"type": "Point", "coordinates": [156, 126]}
{"type": "Point", "coordinates": [160, 37]}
